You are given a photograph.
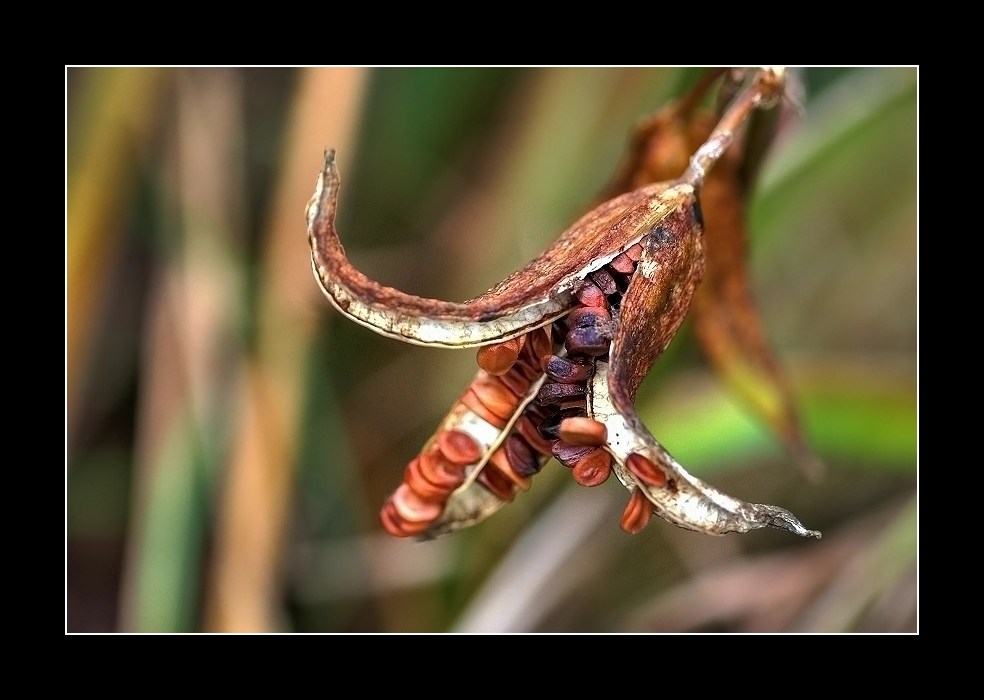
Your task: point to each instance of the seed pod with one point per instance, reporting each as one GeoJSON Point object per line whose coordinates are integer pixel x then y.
{"type": "Point", "coordinates": [583, 431]}
{"type": "Point", "coordinates": [459, 447]}
{"type": "Point", "coordinates": [645, 470]}
{"type": "Point", "coordinates": [499, 358]}
{"type": "Point", "coordinates": [569, 455]}
{"type": "Point", "coordinates": [637, 513]}
{"type": "Point", "coordinates": [594, 468]}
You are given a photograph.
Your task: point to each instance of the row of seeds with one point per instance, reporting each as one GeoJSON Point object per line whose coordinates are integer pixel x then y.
{"type": "Point", "coordinates": [554, 424]}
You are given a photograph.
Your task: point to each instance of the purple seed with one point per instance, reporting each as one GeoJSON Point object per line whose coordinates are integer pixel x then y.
{"type": "Point", "coordinates": [566, 372]}
{"type": "Point", "coordinates": [521, 456]}
{"type": "Point", "coordinates": [555, 393]}
{"type": "Point", "coordinates": [569, 455]}
{"type": "Point", "coordinates": [587, 341]}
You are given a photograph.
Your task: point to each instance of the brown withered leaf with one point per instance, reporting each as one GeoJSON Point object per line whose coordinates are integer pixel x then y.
{"type": "Point", "coordinates": [727, 322]}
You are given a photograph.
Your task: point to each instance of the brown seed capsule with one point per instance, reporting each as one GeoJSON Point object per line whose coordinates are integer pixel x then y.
{"type": "Point", "coordinates": [521, 456]}
{"type": "Point", "coordinates": [526, 428]}
{"type": "Point", "coordinates": [645, 470]}
{"type": "Point", "coordinates": [623, 263]}
{"type": "Point", "coordinates": [412, 508]}
{"type": "Point", "coordinates": [569, 455]}
{"type": "Point", "coordinates": [637, 513]}
{"type": "Point", "coordinates": [459, 446]}
{"type": "Point", "coordinates": [594, 468]}
{"type": "Point", "coordinates": [565, 371]}
{"type": "Point", "coordinates": [606, 283]}
{"type": "Point", "coordinates": [499, 358]}
{"type": "Point", "coordinates": [555, 393]}
{"type": "Point", "coordinates": [583, 431]}
{"type": "Point", "coordinates": [492, 479]}
{"type": "Point", "coordinates": [470, 400]}
{"type": "Point", "coordinates": [590, 295]}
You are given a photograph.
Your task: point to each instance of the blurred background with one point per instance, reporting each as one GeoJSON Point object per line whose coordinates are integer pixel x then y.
{"type": "Point", "coordinates": [230, 438]}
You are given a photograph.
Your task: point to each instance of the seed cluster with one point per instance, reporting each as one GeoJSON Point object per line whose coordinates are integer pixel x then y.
{"type": "Point", "coordinates": [554, 424]}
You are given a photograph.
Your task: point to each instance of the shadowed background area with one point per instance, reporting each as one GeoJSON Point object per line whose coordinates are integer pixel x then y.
{"type": "Point", "coordinates": [231, 438]}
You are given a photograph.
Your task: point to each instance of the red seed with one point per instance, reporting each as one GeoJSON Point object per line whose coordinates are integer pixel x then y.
{"type": "Point", "coordinates": [589, 295]}
{"type": "Point", "coordinates": [470, 400]}
{"type": "Point", "coordinates": [412, 508]}
{"type": "Point", "coordinates": [583, 431]}
{"type": "Point", "coordinates": [526, 428]}
{"type": "Point", "coordinates": [459, 446]}
{"type": "Point", "coordinates": [634, 253]}
{"type": "Point", "coordinates": [623, 263]}
{"type": "Point", "coordinates": [542, 344]}
{"type": "Point", "coordinates": [646, 470]}
{"type": "Point", "coordinates": [391, 521]}
{"type": "Point", "coordinates": [499, 358]}
{"type": "Point", "coordinates": [439, 470]}
{"type": "Point", "coordinates": [500, 461]}
{"type": "Point", "coordinates": [516, 381]}
{"type": "Point", "coordinates": [637, 513]}
{"type": "Point", "coordinates": [424, 487]}
{"type": "Point", "coordinates": [594, 468]}
{"type": "Point", "coordinates": [492, 479]}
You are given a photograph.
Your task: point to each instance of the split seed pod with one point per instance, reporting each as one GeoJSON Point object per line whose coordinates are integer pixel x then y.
{"type": "Point", "coordinates": [629, 269]}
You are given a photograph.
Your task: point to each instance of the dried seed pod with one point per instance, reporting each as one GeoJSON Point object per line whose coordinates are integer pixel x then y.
{"type": "Point", "coordinates": [594, 468]}
{"type": "Point", "coordinates": [637, 513]}
{"type": "Point", "coordinates": [555, 393]}
{"type": "Point", "coordinates": [458, 446]}
{"type": "Point", "coordinates": [645, 470]}
{"type": "Point", "coordinates": [566, 371]}
{"type": "Point", "coordinates": [569, 455]}
{"type": "Point", "coordinates": [583, 431]}
{"type": "Point", "coordinates": [499, 358]}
